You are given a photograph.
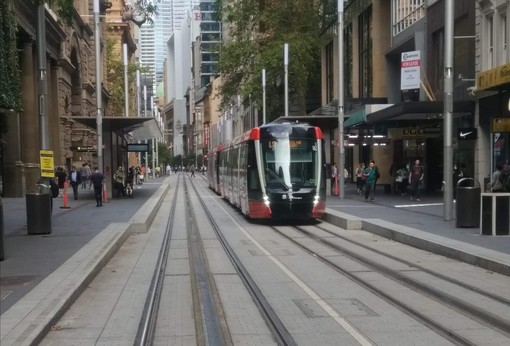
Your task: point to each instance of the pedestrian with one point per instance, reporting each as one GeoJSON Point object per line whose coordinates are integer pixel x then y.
{"type": "Point", "coordinates": [158, 171]}
{"type": "Point", "coordinates": [369, 173]}
{"type": "Point", "coordinates": [75, 181]}
{"type": "Point", "coordinates": [359, 177]}
{"type": "Point", "coordinates": [334, 176]}
{"type": "Point", "coordinates": [377, 174]}
{"type": "Point", "coordinates": [192, 169]}
{"type": "Point", "coordinates": [416, 180]}
{"type": "Point", "coordinates": [168, 170]}
{"type": "Point", "coordinates": [85, 175]}
{"type": "Point", "coordinates": [54, 192]}
{"type": "Point", "coordinates": [457, 175]}
{"type": "Point", "coordinates": [97, 179]}
{"type": "Point", "coordinates": [61, 179]}
{"type": "Point", "coordinates": [496, 185]}
{"type": "Point", "coordinates": [402, 179]}
{"type": "Point", "coordinates": [129, 181]}
{"type": "Point", "coordinates": [119, 182]}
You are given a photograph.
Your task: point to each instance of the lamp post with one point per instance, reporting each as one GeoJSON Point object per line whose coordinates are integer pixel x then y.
{"type": "Point", "coordinates": [448, 109]}
{"type": "Point", "coordinates": [99, 117]}
{"type": "Point", "coordinates": [286, 70]}
{"type": "Point", "coordinates": [126, 92]}
{"type": "Point", "coordinates": [341, 149]}
{"type": "Point", "coordinates": [138, 108]}
{"type": "Point", "coordinates": [263, 96]}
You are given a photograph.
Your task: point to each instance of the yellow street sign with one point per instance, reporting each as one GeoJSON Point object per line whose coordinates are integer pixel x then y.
{"type": "Point", "coordinates": [47, 165]}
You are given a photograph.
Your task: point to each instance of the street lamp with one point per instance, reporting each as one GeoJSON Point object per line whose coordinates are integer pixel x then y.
{"type": "Point", "coordinates": [99, 118]}
{"type": "Point", "coordinates": [341, 149]}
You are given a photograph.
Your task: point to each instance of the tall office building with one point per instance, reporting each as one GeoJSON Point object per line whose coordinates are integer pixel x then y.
{"type": "Point", "coordinates": [210, 39]}
{"type": "Point", "coordinates": [170, 17]}
{"type": "Point", "coordinates": [147, 59]}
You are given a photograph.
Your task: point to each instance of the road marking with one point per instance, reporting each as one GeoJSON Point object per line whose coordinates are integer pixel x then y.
{"type": "Point", "coordinates": [307, 289]}
{"type": "Point", "coordinates": [417, 205]}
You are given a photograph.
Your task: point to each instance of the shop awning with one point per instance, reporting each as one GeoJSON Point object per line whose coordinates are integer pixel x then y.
{"type": "Point", "coordinates": [420, 110]}
{"type": "Point", "coordinates": [133, 129]}
{"type": "Point", "coordinates": [356, 118]}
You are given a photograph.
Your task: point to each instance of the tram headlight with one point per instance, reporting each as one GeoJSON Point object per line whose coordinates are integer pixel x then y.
{"type": "Point", "coordinates": [316, 200]}
{"type": "Point", "coordinates": [266, 201]}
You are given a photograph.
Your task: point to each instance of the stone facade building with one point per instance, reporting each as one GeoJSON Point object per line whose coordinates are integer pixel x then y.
{"type": "Point", "coordinates": [70, 75]}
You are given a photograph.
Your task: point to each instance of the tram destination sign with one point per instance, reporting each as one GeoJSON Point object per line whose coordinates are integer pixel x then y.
{"type": "Point", "coordinates": [137, 147]}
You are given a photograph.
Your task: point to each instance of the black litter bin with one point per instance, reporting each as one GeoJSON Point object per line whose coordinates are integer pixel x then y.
{"type": "Point", "coordinates": [1, 231]}
{"type": "Point", "coordinates": [468, 203]}
{"type": "Point", "coordinates": [38, 213]}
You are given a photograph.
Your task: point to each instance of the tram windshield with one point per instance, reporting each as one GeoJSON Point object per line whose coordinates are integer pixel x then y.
{"type": "Point", "coordinates": [290, 162]}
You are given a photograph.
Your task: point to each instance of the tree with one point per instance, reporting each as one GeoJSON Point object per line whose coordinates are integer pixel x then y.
{"type": "Point", "coordinates": [164, 154]}
{"type": "Point", "coordinates": [115, 77]}
{"type": "Point", "coordinates": [257, 31]}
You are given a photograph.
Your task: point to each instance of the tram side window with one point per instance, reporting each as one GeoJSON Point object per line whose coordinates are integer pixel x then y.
{"type": "Point", "coordinates": [253, 179]}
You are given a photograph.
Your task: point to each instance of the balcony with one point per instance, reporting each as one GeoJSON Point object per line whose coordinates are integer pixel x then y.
{"type": "Point", "coordinates": [405, 13]}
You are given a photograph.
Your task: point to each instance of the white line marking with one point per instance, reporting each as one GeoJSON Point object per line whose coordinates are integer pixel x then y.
{"type": "Point", "coordinates": [308, 290]}
{"type": "Point", "coordinates": [417, 205]}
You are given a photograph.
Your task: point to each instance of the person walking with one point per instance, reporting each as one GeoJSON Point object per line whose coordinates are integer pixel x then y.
{"type": "Point", "coordinates": [359, 177]}
{"type": "Point", "coordinates": [377, 174]}
{"type": "Point", "coordinates": [334, 176]}
{"type": "Point", "coordinates": [85, 175]}
{"type": "Point", "coordinates": [61, 179]}
{"type": "Point", "coordinates": [402, 179]}
{"type": "Point", "coordinates": [496, 185]}
{"type": "Point", "coordinates": [168, 170]}
{"type": "Point", "coordinates": [369, 173]}
{"type": "Point", "coordinates": [97, 179]}
{"type": "Point", "coordinates": [415, 180]}
{"type": "Point", "coordinates": [75, 181]}
{"type": "Point", "coordinates": [119, 182]}
{"type": "Point", "coordinates": [192, 168]}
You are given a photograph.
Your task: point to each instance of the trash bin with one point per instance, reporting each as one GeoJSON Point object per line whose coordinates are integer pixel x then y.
{"type": "Point", "coordinates": [495, 214]}
{"type": "Point", "coordinates": [38, 213]}
{"type": "Point", "coordinates": [468, 203]}
{"type": "Point", "coordinates": [1, 231]}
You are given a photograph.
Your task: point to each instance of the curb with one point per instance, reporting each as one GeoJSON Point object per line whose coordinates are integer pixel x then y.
{"type": "Point", "coordinates": [484, 258]}
{"type": "Point", "coordinates": [29, 320]}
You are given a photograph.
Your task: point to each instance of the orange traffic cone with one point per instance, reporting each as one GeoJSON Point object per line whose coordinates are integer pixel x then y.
{"type": "Point", "coordinates": [336, 192]}
{"type": "Point", "coordinates": [65, 206]}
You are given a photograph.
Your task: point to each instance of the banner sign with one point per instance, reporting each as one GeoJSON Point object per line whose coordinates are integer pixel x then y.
{"type": "Point", "coordinates": [494, 77]}
{"type": "Point", "coordinates": [410, 70]}
{"type": "Point", "coordinates": [47, 164]}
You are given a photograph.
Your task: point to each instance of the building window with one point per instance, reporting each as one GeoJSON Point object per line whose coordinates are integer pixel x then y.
{"type": "Point", "coordinates": [490, 41]}
{"type": "Point", "coordinates": [405, 13]}
{"type": "Point", "coordinates": [504, 39]}
{"type": "Point", "coordinates": [365, 42]}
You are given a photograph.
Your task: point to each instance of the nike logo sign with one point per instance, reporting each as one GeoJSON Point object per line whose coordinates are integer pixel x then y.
{"type": "Point", "coordinates": [462, 134]}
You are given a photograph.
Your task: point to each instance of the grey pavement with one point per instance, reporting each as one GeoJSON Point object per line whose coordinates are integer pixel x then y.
{"type": "Point", "coordinates": [31, 258]}
{"type": "Point", "coordinates": [43, 271]}
{"type": "Point", "coordinates": [420, 224]}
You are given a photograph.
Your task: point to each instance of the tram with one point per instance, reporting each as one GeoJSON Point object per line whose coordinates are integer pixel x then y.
{"type": "Point", "coordinates": [275, 171]}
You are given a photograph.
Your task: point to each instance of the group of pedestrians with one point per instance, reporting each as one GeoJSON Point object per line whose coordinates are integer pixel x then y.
{"type": "Point", "coordinates": [367, 177]}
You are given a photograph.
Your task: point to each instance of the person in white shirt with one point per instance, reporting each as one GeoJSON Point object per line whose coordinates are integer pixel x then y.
{"type": "Point", "coordinates": [75, 180]}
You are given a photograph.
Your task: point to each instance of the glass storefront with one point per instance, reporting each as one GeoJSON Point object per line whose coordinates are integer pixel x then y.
{"type": "Point", "coordinates": [500, 149]}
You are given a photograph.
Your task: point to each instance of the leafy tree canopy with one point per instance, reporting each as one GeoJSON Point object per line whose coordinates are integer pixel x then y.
{"type": "Point", "coordinates": [255, 34]}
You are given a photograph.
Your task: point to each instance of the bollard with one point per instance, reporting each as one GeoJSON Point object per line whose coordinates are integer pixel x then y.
{"type": "Point", "coordinates": [65, 206]}
{"type": "Point", "coordinates": [104, 193]}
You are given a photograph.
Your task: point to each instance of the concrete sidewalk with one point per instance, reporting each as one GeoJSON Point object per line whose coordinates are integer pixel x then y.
{"type": "Point", "coordinates": [420, 224]}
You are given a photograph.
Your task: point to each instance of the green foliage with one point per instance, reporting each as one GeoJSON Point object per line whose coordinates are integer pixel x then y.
{"type": "Point", "coordinates": [115, 78]}
{"type": "Point", "coordinates": [10, 74]}
{"type": "Point", "coordinates": [257, 32]}
{"type": "Point", "coordinates": [164, 154]}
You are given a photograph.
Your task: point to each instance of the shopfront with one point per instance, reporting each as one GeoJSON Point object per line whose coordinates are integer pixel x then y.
{"type": "Point", "coordinates": [493, 87]}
